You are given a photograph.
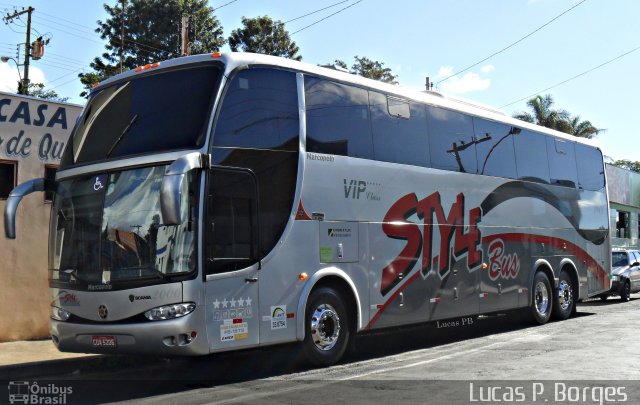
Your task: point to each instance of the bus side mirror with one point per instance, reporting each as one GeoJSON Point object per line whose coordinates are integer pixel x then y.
{"type": "Point", "coordinates": [170, 198]}
{"type": "Point", "coordinates": [11, 208]}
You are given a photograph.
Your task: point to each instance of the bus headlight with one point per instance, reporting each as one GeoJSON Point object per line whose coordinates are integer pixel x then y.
{"type": "Point", "coordinates": [170, 311]}
{"type": "Point", "coordinates": [60, 314]}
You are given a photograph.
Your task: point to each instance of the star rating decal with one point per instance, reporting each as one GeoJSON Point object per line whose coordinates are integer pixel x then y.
{"type": "Point", "coordinates": [233, 303]}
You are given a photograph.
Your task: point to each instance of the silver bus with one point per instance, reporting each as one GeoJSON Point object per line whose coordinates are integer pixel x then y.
{"type": "Point", "coordinates": [227, 201]}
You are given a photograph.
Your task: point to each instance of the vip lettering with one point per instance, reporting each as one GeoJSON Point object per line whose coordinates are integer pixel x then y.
{"type": "Point", "coordinates": [457, 237]}
{"type": "Point", "coordinates": [501, 265]}
{"type": "Point", "coordinates": [354, 188]}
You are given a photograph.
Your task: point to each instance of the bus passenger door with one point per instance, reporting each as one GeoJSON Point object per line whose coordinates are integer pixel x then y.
{"type": "Point", "coordinates": [232, 264]}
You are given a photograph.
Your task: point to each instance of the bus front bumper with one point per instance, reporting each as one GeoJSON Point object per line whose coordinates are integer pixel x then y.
{"type": "Point", "coordinates": [185, 336]}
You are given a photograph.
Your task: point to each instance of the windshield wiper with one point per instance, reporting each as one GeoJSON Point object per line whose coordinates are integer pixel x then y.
{"type": "Point", "coordinates": [122, 135]}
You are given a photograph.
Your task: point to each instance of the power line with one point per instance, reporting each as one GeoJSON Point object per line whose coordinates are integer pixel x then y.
{"type": "Point", "coordinates": [71, 33]}
{"type": "Point", "coordinates": [50, 21]}
{"type": "Point", "coordinates": [63, 57]}
{"type": "Point", "coordinates": [329, 16]}
{"type": "Point", "coordinates": [224, 5]}
{"type": "Point", "coordinates": [513, 44]}
{"type": "Point", "coordinates": [316, 11]}
{"type": "Point", "coordinates": [69, 21]}
{"type": "Point", "coordinates": [575, 77]}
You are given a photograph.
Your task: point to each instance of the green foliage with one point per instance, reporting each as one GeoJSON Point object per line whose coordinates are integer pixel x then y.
{"type": "Point", "coordinates": [151, 34]}
{"type": "Point", "coordinates": [265, 36]}
{"type": "Point", "coordinates": [628, 164]}
{"type": "Point", "coordinates": [373, 70]}
{"type": "Point", "coordinates": [38, 90]}
{"type": "Point", "coordinates": [561, 120]}
{"type": "Point", "coordinates": [366, 67]}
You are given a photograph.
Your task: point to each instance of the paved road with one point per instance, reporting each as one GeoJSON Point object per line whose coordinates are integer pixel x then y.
{"type": "Point", "coordinates": [416, 365]}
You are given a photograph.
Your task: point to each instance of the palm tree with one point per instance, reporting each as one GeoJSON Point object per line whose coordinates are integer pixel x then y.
{"type": "Point", "coordinates": [544, 115]}
{"type": "Point", "coordinates": [558, 119]}
{"type": "Point", "coordinates": [583, 129]}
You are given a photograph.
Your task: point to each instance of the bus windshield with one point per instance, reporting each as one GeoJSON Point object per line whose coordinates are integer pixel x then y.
{"type": "Point", "coordinates": [158, 112]}
{"type": "Point", "coordinates": [107, 229]}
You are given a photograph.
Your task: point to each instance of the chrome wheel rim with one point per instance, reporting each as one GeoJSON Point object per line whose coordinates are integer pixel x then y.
{"type": "Point", "coordinates": [541, 299]}
{"type": "Point", "coordinates": [325, 327]}
{"type": "Point", "coordinates": [565, 295]}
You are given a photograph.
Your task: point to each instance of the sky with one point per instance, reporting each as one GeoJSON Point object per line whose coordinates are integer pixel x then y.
{"type": "Point", "coordinates": [585, 53]}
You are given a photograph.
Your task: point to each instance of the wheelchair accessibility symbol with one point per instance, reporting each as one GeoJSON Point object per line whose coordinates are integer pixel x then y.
{"type": "Point", "coordinates": [98, 184]}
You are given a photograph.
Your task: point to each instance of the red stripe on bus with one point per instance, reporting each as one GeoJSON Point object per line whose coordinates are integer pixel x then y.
{"type": "Point", "coordinates": [580, 254]}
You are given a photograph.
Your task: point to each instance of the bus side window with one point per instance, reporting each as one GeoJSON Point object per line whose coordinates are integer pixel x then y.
{"type": "Point", "coordinates": [589, 166]}
{"type": "Point", "coordinates": [562, 162]}
{"type": "Point", "coordinates": [531, 157]}
{"type": "Point", "coordinates": [258, 128]}
{"type": "Point", "coordinates": [399, 130]}
{"type": "Point", "coordinates": [260, 110]}
{"type": "Point", "coordinates": [451, 140]}
{"type": "Point", "coordinates": [337, 119]}
{"type": "Point", "coordinates": [232, 220]}
{"type": "Point", "coordinates": [494, 148]}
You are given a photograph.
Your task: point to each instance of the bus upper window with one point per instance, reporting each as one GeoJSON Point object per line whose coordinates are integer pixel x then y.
{"type": "Point", "coordinates": [562, 162]}
{"type": "Point", "coordinates": [337, 119]}
{"type": "Point", "coordinates": [260, 110]}
{"type": "Point", "coordinates": [531, 157]}
{"type": "Point", "coordinates": [398, 107]}
{"type": "Point", "coordinates": [399, 140]}
{"type": "Point", "coordinates": [494, 148]}
{"type": "Point", "coordinates": [590, 169]}
{"type": "Point", "coordinates": [451, 140]}
{"type": "Point", "coordinates": [159, 112]}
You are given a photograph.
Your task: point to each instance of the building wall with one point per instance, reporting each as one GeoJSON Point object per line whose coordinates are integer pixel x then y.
{"type": "Point", "coordinates": [33, 133]}
{"type": "Point", "coordinates": [624, 204]}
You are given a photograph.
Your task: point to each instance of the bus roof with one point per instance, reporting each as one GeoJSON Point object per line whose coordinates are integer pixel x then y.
{"type": "Point", "coordinates": [235, 60]}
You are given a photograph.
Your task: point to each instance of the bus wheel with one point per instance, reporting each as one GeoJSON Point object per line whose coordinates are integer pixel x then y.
{"type": "Point", "coordinates": [327, 329]}
{"type": "Point", "coordinates": [564, 300]}
{"type": "Point", "coordinates": [542, 298]}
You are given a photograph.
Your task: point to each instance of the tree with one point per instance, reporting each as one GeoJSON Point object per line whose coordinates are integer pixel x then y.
{"type": "Point", "coordinates": [151, 34]}
{"type": "Point", "coordinates": [544, 114]}
{"type": "Point", "coordinates": [582, 129]}
{"type": "Point", "coordinates": [366, 67]}
{"type": "Point", "coordinates": [628, 164]}
{"type": "Point", "coordinates": [558, 119]}
{"type": "Point", "coordinates": [38, 90]}
{"type": "Point", "coordinates": [263, 35]}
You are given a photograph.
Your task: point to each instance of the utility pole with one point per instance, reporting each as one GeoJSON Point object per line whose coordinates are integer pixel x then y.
{"type": "Point", "coordinates": [184, 35]}
{"type": "Point", "coordinates": [124, 4]}
{"type": "Point", "coordinates": [24, 89]}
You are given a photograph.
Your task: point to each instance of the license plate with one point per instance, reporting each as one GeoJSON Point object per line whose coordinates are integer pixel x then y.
{"type": "Point", "coordinates": [103, 341]}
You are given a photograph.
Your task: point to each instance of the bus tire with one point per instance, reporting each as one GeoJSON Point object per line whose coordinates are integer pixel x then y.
{"type": "Point", "coordinates": [542, 299]}
{"type": "Point", "coordinates": [564, 298]}
{"type": "Point", "coordinates": [327, 327]}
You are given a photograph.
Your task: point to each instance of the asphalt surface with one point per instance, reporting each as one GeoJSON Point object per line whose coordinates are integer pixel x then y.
{"type": "Point", "coordinates": [591, 358]}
